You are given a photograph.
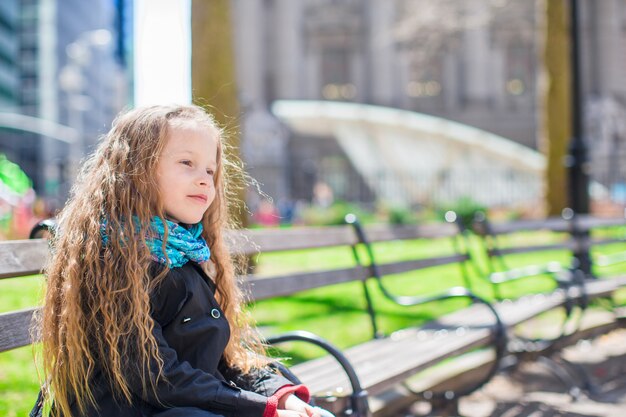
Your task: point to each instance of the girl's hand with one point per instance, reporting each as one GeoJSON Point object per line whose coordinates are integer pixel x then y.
{"type": "Point", "coordinates": [289, 413]}
{"type": "Point", "coordinates": [292, 403]}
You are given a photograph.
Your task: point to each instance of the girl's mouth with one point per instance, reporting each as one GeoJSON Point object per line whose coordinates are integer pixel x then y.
{"type": "Point", "coordinates": [199, 197]}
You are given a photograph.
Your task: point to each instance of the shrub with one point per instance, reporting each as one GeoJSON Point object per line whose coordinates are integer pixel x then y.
{"type": "Point", "coordinates": [465, 208]}
{"type": "Point", "coordinates": [334, 214]}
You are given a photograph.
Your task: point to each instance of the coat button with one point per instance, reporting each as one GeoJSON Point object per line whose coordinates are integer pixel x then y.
{"type": "Point", "coordinates": [215, 313]}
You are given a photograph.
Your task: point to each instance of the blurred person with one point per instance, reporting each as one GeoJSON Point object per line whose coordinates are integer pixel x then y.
{"type": "Point", "coordinates": [323, 194]}
{"type": "Point", "coordinates": [267, 214]}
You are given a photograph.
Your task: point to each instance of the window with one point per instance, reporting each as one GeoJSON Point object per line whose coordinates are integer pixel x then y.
{"type": "Point", "coordinates": [335, 74]}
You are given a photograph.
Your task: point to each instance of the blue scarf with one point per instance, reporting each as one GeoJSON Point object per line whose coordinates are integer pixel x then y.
{"type": "Point", "coordinates": [183, 245]}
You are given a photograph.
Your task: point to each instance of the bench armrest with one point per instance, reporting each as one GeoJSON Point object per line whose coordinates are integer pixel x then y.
{"type": "Point", "coordinates": [499, 329]}
{"type": "Point", "coordinates": [43, 229]}
{"type": "Point", "coordinates": [500, 338]}
{"type": "Point", "coordinates": [358, 399]}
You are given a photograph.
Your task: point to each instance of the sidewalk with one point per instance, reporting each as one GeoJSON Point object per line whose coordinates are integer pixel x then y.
{"type": "Point", "coordinates": [532, 391]}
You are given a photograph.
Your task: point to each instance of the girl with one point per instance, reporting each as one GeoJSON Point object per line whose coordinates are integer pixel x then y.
{"type": "Point", "coordinates": [142, 314]}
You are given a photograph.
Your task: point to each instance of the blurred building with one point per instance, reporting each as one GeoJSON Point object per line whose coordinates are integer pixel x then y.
{"type": "Point", "coordinates": [63, 61]}
{"type": "Point", "coordinates": [75, 77]}
{"type": "Point", "coordinates": [15, 145]}
{"type": "Point", "coordinates": [9, 55]}
{"type": "Point", "coordinates": [471, 61]}
{"type": "Point", "coordinates": [9, 48]}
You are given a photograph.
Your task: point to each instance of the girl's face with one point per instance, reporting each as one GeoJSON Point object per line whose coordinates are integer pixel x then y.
{"type": "Point", "coordinates": [185, 172]}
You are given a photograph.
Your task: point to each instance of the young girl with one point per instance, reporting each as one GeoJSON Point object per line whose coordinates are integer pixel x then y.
{"type": "Point", "coordinates": [142, 315]}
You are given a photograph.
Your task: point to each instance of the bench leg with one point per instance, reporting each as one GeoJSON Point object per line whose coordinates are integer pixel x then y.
{"type": "Point", "coordinates": [586, 382]}
{"type": "Point", "coordinates": [563, 375]}
{"type": "Point", "coordinates": [444, 407]}
{"type": "Point", "coordinates": [359, 403]}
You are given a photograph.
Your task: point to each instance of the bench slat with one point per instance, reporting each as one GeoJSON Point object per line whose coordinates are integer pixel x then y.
{"type": "Point", "coordinates": [606, 241]}
{"type": "Point", "coordinates": [533, 248]}
{"type": "Point", "coordinates": [403, 363]}
{"type": "Point", "coordinates": [377, 368]}
{"type": "Point", "coordinates": [20, 258]}
{"type": "Point", "coordinates": [554, 224]}
{"type": "Point", "coordinates": [511, 312]}
{"type": "Point", "coordinates": [587, 222]}
{"type": "Point", "coordinates": [251, 242]}
{"type": "Point", "coordinates": [380, 233]}
{"type": "Point", "coordinates": [15, 329]}
{"type": "Point", "coordinates": [603, 286]}
{"type": "Point", "coordinates": [273, 240]}
{"type": "Point", "coordinates": [406, 266]}
{"type": "Point", "coordinates": [262, 288]}
{"type": "Point", "coordinates": [514, 313]}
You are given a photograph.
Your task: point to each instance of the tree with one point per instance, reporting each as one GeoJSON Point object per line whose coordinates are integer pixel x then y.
{"type": "Point", "coordinates": [556, 123]}
{"type": "Point", "coordinates": [213, 80]}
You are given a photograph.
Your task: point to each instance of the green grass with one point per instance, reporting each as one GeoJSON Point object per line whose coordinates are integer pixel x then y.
{"type": "Point", "coordinates": [336, 313]}
{"type": "Point", "coordinates": [18, 375]}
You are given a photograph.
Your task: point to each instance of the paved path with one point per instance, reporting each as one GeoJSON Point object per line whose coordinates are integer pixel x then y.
{"type": "Point", "coordinates": [532, 391]}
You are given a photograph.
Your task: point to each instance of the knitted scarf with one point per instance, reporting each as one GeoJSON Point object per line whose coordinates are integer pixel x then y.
{"type": "Point", "coordinates": [182, 244]}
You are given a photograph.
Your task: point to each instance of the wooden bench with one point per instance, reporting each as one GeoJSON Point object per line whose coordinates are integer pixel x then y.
{"type": "Point", "coordinates": [378, 367]}
{"type": "Point", "coordinates": [383, 362]}
{"type": "Point", "coordinates": [573, 291]}
{"type": "Point", "coordinates": [580, 240]}
{"type": "Point", "coordinates": [19, 258]}
{"type": "Point", "coordinates": [577, 236]}
{"type": "Point", "coordinates": [375, 366]}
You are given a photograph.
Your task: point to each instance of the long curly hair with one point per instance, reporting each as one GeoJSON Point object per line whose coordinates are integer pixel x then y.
{"type": "Point", "coordinates": [96, 312]}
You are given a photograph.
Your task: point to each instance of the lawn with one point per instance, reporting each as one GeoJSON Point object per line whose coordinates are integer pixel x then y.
{"type": "Point", "coordinates": [336, 313]}
{"type": "Point", "coordinates": [18, 376]}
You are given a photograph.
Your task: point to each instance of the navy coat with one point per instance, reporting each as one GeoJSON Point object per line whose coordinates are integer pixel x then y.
{"type": "Point", "coordinates": [191, 332]}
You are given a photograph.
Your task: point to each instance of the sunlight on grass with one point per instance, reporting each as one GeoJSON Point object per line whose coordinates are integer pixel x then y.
{"type": "Point", "coordinates": [19, 293]}
{"type": "Point", "coordinates": [18, 382]}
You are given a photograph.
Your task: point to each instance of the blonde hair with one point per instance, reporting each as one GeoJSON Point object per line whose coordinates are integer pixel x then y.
{"type": "Point", "coordinates": [91, 307]}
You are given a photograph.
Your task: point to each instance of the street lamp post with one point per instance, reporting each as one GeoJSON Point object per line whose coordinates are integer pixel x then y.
{"type": "Point", "coordinates": [72, 82]}
{"type": "Point", "coordinates": [577, 160]}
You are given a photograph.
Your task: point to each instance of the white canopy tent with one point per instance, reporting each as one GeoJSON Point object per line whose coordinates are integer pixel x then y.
{"type": "Point", "coordinates": [436, 153]}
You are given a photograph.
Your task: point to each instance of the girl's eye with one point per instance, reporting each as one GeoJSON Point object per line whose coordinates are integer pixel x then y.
{"type": "Point", "coordinates": [210, 172]}
{"type": "Point", "coordinates": [186, 162]}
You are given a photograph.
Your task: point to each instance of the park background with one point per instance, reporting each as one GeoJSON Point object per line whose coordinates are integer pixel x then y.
{"type": "Point", "coordinates": [401, 109]}
{"type": "Point", "coordinates": [398, 110]}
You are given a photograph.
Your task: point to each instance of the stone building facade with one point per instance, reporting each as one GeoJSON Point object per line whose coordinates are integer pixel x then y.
{"type": "Point", "coordinates": [470, 61]}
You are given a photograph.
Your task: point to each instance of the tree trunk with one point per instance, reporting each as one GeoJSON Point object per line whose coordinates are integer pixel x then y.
{"type": "Point", "coordinates": [213, 82]}
{"type": "Point", "coordinates": [556, 123]}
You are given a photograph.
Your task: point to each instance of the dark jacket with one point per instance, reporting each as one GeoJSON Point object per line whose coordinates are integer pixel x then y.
{"type": "Point", "coordinates": [192, 332]}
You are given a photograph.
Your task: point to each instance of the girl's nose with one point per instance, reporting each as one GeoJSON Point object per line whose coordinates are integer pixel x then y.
{"type": "Point", "coordinates": [204, 178]}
